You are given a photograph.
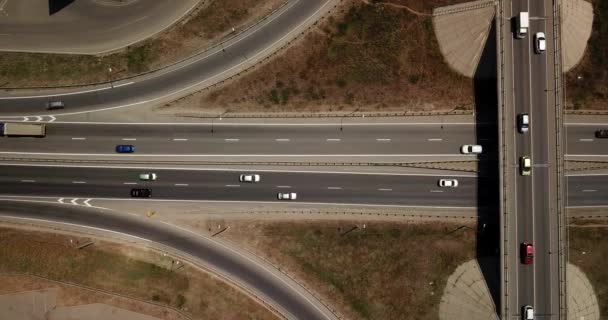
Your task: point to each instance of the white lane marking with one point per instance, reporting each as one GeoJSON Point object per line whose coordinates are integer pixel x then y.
{"type": "Point", "coordinates": [385, 189]}
{"type": "Point", "coordinates": [254, 124]}
{"type": "Point", "coordinates": [233, 185]}
{"type": "Point", "coordinates": [57, 94]}
{"type": "Point", "coordinates": [334, 188]}
{"type": "Point", "coordinates": [586, 155]}
{"type": "Point", "coordinates": [129, 139]}
{"type": "Point", "coordinates": [332, 140]}
{"type": "Point", "coordinates": [123, 84]}
{"type": "Point", "coordinates": [74, 201]}
{"type": "Point", "coordinates": [79, 138]}
{"type": "Point", "coordinates": [180, 139]}
{"type": "Point", "coordinates": [435, 139]}
{"type": "Point", "coordinates": [232, 140]}
{"type": "Point", "coordinates": [79, 182]}
{"type": "Point", "coordinates": [281, 140]}
{"type": "Point", "coordinates": [28, 180]}
{"type": "Point", "coordinates": [181, 184]}
{"type": "Point", "coordinates": [86, 203]}
{"type": "Point", "coordinates": [437, 191]}
{"type": "Point", "coordinates": [243, 155]}
{"type": "Point", "coordinates": [242, 170]}
{"type": "Point", "coordinates": [589, 190]}
{"type": "Point", "coordinates": [383, 140]}
{"type": "Point", "coordinates": [585, 140]}
{"type": "Point", "coordinates": [130, 183]}
{"type": "Point", "coordinates": [4, 197]}
{"type": "Point", "coordinates": [598, 124]}
{"type": "Point", "coordinates": [283, 186]}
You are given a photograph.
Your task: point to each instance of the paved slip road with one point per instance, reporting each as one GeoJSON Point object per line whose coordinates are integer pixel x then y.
{"type": "Point", "coordinates": [281, 292]}
{"type": "Point", "coordinates": [182, 77]}
{"type": "Point", "coordinates": [84, 26]}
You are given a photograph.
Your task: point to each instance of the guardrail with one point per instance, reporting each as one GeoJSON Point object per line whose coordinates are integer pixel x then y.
{"type": "Point", "coordinates": [560, 94]}
{"type": "Point", "coordinates": [502, 152]}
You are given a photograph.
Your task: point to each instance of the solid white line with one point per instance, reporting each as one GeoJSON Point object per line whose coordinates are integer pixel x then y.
{"type": "Point", "coordinates": [283, 186]}
{"type": "Point", "coordinates": [129, 183]}
{"type": "Point", "coordinates": [237, 170]}
{"type": "Point", "coordinates": [332, 140]}
{"type": "Point", "coordinates": [232, 185]}
{"type": "Point", "coordinates": [334, 188]}
{"type": "Point", "coordinates": [255, 124]}
{"type": "Point", "coordinates": [436, 139]}
{"type": "Point", "coordinates": [598, 124]}
{"type": "Point", "coordinates": [79, 182]}
{"type": "Point", "coordinates": [585, 140]}
{"type": "Point", "coordinates": [129, 139]}
{"type": "Point", "coordinates": [589, 190]}
{"type": "Point", "coordinates": [385, 189]}
{"type": "Point", "coordinates": [437, 191]}
{"type": "Point", "coordinates": [123, 84]}
{"type": "Point", "coordinates": [28, 180]}
{"type": "Point", "coordinates": [180, 139]}
{"type": "Point", "coordinates": [586, 155]}
{"type": "Point", "coordinates": [281, 140]}
{"type": "Point", "coordinates": [383, 140]}
{"type": "Point", "coordinates": [57, 94]}
{"type": "Point", "coordinates": [232, 140]}
{"type": "Point", "coordinates": [240, 155]}
{"type": "Point", "coordinates": [79, 138]}
{"type": "Point", "coordinates": [181, 184]}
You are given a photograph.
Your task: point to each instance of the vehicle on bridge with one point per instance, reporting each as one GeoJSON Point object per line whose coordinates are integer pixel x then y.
{"type": "Point", "coordinates": [527, 253]}
{"type": "Point", "coordinates": [141, 193]}
{"type": "Point", "coordinates": [527, 313]}
{"type": "Point", "coordinates": [12, 129]}
{"type": "Point", "coordinates": [523, 122]}
{"type": "Point", "coordinates": [602, 133]}
{"type": "Point", "coordinates": [249, 178]}
{"type": "Point", "coordinates": [54, 105]}
{"type": "Point", "coordinates": [148, 176]}
{"type": "Point", "coordinates": [525, 165]}
{"type": "Point", "coordinates": [522, 23]}
{"type": "Point", "coordinates": [287, 196]}
{"type": "Point", "coordinates": [448, 183]}
{"type": "Point", "coordinates": [125, 148]}
{"type": "Point", "coordinates": [540, 42]}
{"type": "Point", "coordinates": [471, 148]}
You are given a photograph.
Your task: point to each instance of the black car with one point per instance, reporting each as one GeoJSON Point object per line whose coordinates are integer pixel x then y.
{"type": "Point", "coordinates": [141, 193]}
{"type": "Point", "coordinates": [603, 133]}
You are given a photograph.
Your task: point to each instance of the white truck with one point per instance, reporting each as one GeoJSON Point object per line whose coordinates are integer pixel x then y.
{"type": "Point", "coordinates": [522, 23]}
{"type": "Point", "coordinates": [12, 129]}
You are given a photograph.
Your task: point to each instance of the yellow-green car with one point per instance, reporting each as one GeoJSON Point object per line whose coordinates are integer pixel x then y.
{"type": "Point", "coordinates": [525, 166]}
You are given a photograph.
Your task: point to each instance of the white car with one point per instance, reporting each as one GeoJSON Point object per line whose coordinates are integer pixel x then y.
{"type": "Point", "coordinates": [287, 196]}
{"type": "Point", "coordinates": [249, 178]}
{"type": "Point", "coordinates": [540, 43]}
{"type": "Point", "coordinates": [448, 183]}
{"type": "Point", "coordinates": [147, 176]}
{"type": "Point", "coordinates": [471, 148]}
{"type": "Point", "coordinates": [523, 122]}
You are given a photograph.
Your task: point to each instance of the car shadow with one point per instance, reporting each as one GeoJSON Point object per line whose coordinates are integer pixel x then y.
{"type": "Point", "coordinates": [488, 197]}
{"type": "Point", "coordinates": [58, 5]}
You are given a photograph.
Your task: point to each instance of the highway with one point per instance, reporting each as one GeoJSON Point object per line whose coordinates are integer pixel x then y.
{"type": "Point", "coordinates": [183, 77]}
{"type": "Point", "coordinates": [312, 187]}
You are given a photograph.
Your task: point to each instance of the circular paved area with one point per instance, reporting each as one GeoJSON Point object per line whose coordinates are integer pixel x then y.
{"type": "Point", "coordinates": [84, 26]}
{"type": "Point", "coordinates": [577, 21]}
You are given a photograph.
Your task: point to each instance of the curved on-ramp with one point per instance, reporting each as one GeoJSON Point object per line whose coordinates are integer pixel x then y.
{"type": "Point", "coordinates": [274, 288]}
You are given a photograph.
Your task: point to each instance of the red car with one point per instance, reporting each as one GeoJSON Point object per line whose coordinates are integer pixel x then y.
{"type": "Point", "coordinates": [527, 253]}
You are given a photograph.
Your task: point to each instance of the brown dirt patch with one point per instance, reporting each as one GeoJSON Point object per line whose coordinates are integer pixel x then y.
{"type": "Point", "coordinates": [366, 57]}
{"type": "Point", "coordinates": [208, 26]}
{"type": "Point", "coordinates": [382, 271]}
{"type": "Point", "coordinates": [587, 83]}
{"type": "Point", "coordinates": [143, 274]}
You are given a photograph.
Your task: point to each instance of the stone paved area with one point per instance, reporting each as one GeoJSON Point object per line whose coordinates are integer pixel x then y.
{"type": "Point", "coordinates": [577, 20]}
{"type": "Point", "coordinates": [96, 311]}
{"type": "Point", "coordinates": [582, 302]}
{"type": "Point", "coordinates": [29, 305]}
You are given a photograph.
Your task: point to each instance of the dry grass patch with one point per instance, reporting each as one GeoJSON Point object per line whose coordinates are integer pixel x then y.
{"type": "Point", "coordinates": [208, 26]}
{"type": "Point", "coordinates": [366, 57]}
{"type": "Point", "coordinates": [590, 91]}
{"type": "Point", "coordinates": [588, 242]}
{"type": "Point", "coordinates": [148, 275]}
{"type": "Point", "coordinates": [380, 271]}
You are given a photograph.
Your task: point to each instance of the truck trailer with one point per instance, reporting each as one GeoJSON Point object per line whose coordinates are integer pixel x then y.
{"type": "Point", "coordinates": [12, 129]}
{"type": "Point", "coordinates": [523, 22]}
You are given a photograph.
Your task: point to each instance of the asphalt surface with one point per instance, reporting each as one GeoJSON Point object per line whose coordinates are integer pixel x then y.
{"type": "Point", "coordinates": [84, 26]}
{"type": "Point", "coordinates": [227, 262]}
{"type": "Point", "coordinates": [179, 78]}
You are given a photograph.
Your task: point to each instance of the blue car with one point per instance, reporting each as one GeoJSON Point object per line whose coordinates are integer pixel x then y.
{"type": "Point", "coordinates": [125, 148]}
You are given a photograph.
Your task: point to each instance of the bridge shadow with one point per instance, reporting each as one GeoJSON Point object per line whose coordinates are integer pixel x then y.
{"type": "Point", "coordinates": [488, 198]}
{"type": "Point", "coordinates": [57, 5]}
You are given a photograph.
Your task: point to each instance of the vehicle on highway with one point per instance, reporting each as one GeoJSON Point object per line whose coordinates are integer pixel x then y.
{"type": "Point", "coordinates": [287, 196]}
{"type": "Point", "coordinates": [125, 148]}
{"type": "Point", "coordinates": [471, 148]}
{"type": "Point", "coordinates": [527, 253]}
{"type": "Point", "coordinates": [525, 166]}
{"type": "Point", "coordinates": [523, 122]}
{"type": "Point", "coordinates": [53, 105]}
{"type": "Point", "coordinates": [527, 313]}
{"type": "Point", "coordinates": [448, 183]}
{"type": "Point", "coordinates": [11, 129]}
{"type": "Point", "coordinates": [522, 22]}
{"type": "Point", "coordinates": [141, 193]}
{"type": "Point", "coordinates": [602, 133]}
{"type": "Point", "coordinates": [249, 178]}
{"type": "Point", "coordinates": [540, 43]}
{"type": "Point", "coordinates": [147, 176]}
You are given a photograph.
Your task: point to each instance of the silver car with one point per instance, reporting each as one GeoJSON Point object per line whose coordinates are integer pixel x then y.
{"type": "Point", "coordinates": [147, 176]}
{"type": "Point", "coordinates": [287, 196]}
{"type": "Point", "coordinates": [471, 148]}
{"type": "Point", "coordinates": [448, 183]}
{"type": "Point", "coordinates": [249, 178]}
